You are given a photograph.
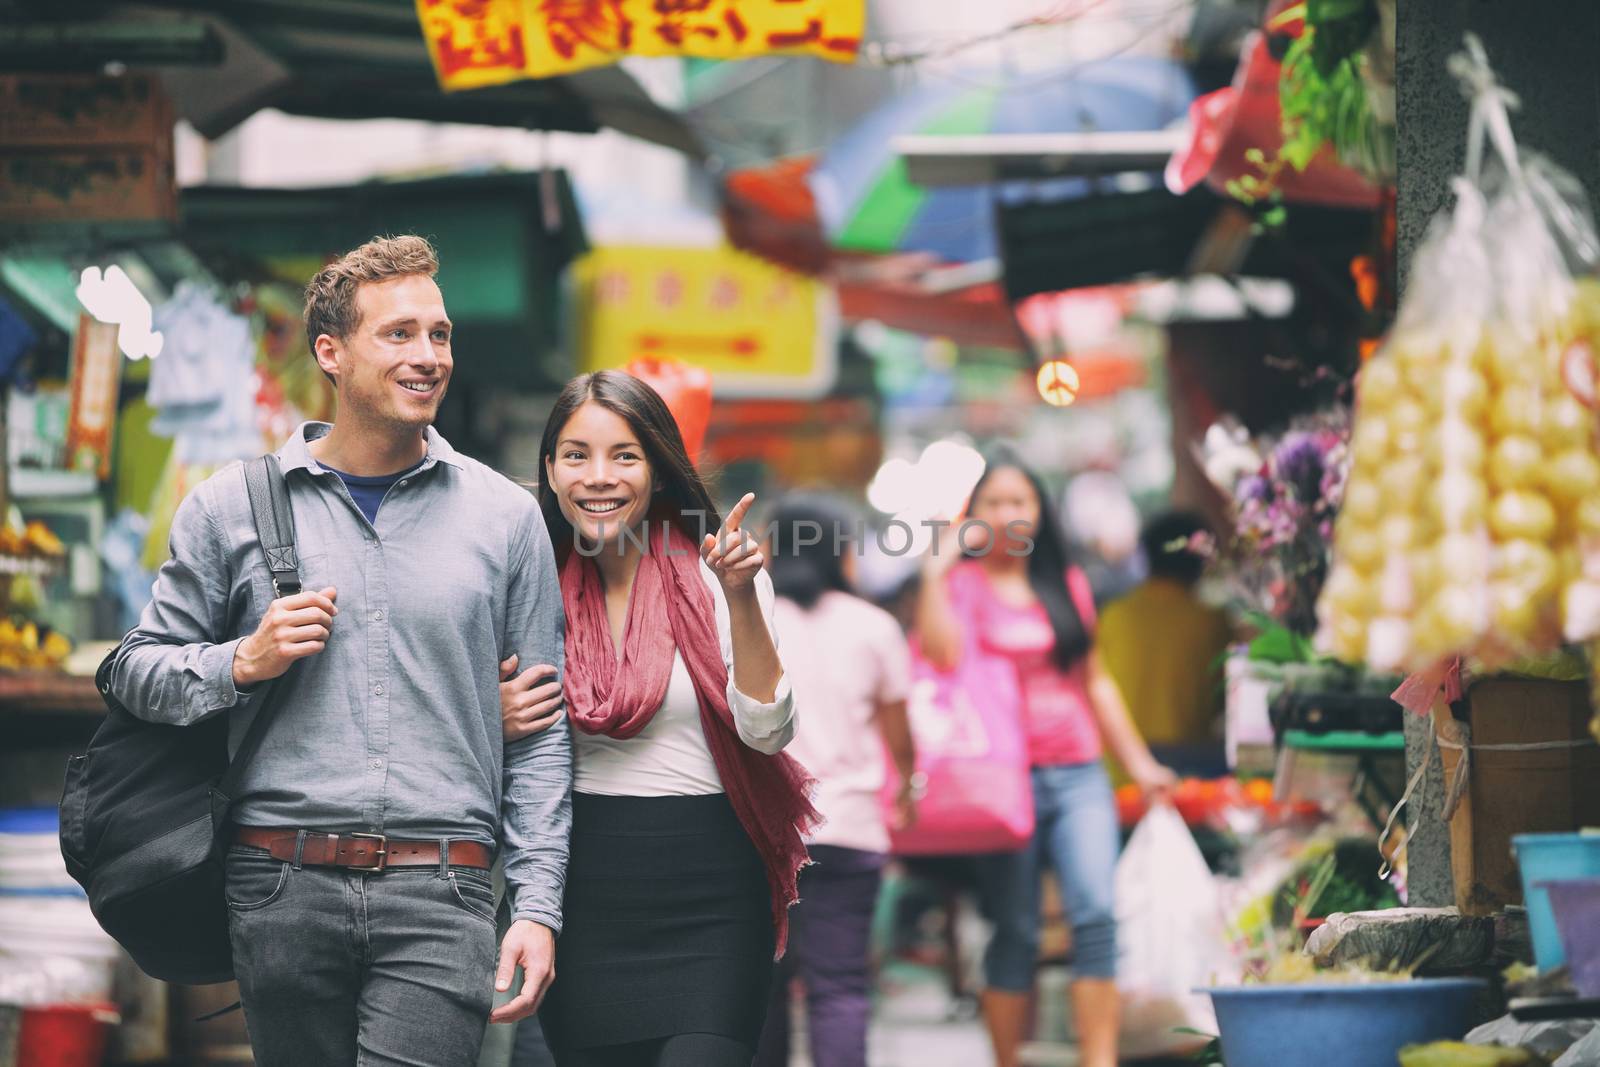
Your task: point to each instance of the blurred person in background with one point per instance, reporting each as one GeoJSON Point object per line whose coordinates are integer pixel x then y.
{"type": "Point", "coordinates": [852, 673]}
{"type": "Point", "coordinates": [1006, 582]}
{"type": "Point", "coordinates": [1164, 647]}
{"type": "Point", "coordinates": [1102, 523]}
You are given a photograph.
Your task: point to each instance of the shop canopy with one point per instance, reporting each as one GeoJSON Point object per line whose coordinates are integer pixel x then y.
{"type": "Point", "coordinates": [223, 60]}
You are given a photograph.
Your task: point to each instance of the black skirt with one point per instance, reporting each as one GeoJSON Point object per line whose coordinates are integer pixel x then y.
{"type": "Point", "coordinates": [667, 925]}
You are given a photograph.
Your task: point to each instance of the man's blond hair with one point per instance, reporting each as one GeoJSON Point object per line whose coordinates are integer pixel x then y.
{"type": "Point", "coordinates": [331, 296]}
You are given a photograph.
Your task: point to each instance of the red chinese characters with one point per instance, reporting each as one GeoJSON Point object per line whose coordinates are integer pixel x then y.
{"type": "Point", "coordinates": [474, 35]}
{"type": "Point", "coordinates": [598, 24]}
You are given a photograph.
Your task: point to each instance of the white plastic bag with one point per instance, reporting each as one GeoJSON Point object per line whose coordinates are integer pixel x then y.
{"type": "Point", "coordinates": [1171, 937]}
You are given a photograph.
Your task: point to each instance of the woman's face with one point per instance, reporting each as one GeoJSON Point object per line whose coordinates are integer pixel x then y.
{"type": "Point", "coordinates": [599, 473]}
{"type": "Point", "coordinates": [1007, 503]}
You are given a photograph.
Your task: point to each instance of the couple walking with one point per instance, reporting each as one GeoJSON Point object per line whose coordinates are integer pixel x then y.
{"type": "Point", "coordinates": [452, 627]}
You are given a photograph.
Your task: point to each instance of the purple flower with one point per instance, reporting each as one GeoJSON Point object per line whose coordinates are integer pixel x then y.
{"type": "Point", "coordinates": [1299, 464]}
{"type": "Point", "coordinates": [1255, 490]}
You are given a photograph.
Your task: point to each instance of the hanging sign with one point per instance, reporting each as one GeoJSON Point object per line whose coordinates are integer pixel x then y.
{"type": "Point", "coordinates": [96, 378]}
{"type": "Point", "coordinates": [757, 329]}
{"type": "Point", "coordinates": [490, 42]}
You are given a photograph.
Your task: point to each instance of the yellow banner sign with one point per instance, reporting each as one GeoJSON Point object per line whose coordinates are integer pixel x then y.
{"type": "Point", "coordinates": [758, 329]}
{"type": "Point", "coordinates": [489, 42]}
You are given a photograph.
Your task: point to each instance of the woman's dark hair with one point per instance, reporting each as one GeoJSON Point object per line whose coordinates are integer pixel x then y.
{"type": "Point", "coordinates": [1047, 563]}
{"type": "Point", "coordinates": [1166, 539]}
{"type": "Point", "coordinates": [803, 571]}
{"type": "Point", "coordinates": [681, 496]}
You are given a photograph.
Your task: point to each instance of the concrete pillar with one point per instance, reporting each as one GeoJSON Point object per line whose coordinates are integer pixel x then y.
{"type": "Point", "coordinates": [1543, 50]}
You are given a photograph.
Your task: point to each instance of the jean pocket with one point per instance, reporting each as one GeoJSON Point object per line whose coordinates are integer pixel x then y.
{"type": "Point", "coordinates": [474, 894]}
{"type": "Point", "coordinates": [254, 880]}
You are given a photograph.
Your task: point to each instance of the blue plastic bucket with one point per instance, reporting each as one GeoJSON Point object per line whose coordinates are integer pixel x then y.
{"type": "Point", "coordinates": [1551, 858]}
{"type": "Point", "coordinates": [1346, 1025]}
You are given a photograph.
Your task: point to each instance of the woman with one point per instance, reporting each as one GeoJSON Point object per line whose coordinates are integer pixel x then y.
{"type": "Point", "coordinates": [686, 817]}
{"type": "Point", "coordinates": [1002, 582]}
{"type": "Point", "coordinates": [852, 673]}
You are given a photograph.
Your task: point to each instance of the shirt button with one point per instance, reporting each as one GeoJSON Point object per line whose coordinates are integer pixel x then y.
{"type": "Point", "coordinates": [377, 690]}
{"type": "Point", "coordinates": [377, 763]}
{"type": "Point", "coordinates": [377, 616]}
{"type": "Point", "coordinates": [405, 481]}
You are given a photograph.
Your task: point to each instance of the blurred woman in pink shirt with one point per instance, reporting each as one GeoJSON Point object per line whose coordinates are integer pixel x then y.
{"type": "Point", "coordinates": [851, 671]}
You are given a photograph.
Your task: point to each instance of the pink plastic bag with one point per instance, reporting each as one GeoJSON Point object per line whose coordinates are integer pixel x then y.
{"type": "Point", "coordinates": [967, 724]}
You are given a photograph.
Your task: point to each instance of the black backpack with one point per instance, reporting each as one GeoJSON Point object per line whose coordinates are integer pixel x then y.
{"type": "Point", "coordinates": [144, 812]}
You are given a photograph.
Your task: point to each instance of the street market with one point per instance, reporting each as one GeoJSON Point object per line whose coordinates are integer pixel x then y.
{"type": "Point", "coordinates": [1146, 460]}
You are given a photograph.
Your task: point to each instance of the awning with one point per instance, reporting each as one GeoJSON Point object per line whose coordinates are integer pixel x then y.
{"type": "Point", "coordinates": [983, 159]}
{"type": "Point", "coordinates": [222, 61]}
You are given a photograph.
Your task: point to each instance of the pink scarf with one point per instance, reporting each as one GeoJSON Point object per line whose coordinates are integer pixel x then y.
{"type": "Point", "coordinates": [670, 609]}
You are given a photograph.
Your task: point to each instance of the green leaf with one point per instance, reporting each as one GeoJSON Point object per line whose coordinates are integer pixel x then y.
{"type": "Point", "coordinates": [1319, 12]}
{"type": "Point", "coordinates": [1276, 643]}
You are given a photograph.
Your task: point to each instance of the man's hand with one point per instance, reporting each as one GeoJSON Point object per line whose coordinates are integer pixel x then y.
{"type": "Point", "coordinates": [526, 706]}
{"type": "Point", "coordinates": [532, 947]}
{"type": "Point", "coordinates": [294, 627]}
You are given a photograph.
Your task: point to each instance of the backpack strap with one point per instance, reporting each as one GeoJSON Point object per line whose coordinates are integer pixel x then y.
{"type": "Point", "coordinates": [269, 503]}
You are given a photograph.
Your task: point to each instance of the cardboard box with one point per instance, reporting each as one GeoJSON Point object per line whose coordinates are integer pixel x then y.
{"type": "Point", "coordinates": [83, 111]}
{"type": "Point", "coordinates": [1551, 790]}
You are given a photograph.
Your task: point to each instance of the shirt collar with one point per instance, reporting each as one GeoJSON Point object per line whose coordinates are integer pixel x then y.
{"type": "Point", "coordinates": [296, 453]}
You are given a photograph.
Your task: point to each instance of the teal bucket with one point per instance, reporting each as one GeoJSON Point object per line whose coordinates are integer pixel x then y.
{"type": "Point", "coordinates": [1552, 858]}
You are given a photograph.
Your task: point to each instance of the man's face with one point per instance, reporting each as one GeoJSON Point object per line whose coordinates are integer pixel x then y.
{"type": "Point", "coordinates": [395, 365]}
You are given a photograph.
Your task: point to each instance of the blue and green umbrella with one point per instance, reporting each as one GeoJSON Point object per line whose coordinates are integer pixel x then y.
{"type": "Point", "coordinates": [868, 204]}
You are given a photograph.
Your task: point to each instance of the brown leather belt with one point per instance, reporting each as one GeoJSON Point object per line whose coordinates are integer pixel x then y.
{"type": "Point", "coordinates": [362, 852]}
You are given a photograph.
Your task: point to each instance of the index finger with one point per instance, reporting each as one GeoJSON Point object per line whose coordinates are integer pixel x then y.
{"type": "Point", "coordinates": [309, 599]}
{"type": "Point", "coordinates": [740, 510]}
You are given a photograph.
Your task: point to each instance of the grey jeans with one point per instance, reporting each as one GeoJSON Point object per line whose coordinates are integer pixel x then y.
{"type": "Point", "coordinates": [338, 967]}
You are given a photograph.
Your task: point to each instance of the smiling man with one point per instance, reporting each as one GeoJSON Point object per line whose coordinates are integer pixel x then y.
{"type": "Point", "coordinates": [361, 909]}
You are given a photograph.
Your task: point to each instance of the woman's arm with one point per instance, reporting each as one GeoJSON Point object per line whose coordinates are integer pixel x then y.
{"type": "Point", "coordinates": [937, 626]}
{"type": "Point", "coordinates": [756, 667]}
{"type": "Point", "coordinates": [895, 727]}
{"type": "Point", "coordinates": [1119, 733]}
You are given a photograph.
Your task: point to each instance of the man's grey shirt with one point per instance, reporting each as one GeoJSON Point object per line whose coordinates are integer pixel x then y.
{"type": "Point", "coordinates": [395, 726]}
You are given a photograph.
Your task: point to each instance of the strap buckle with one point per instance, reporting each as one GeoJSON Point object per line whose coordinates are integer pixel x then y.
{"type": "Point", "coordinates": [380, 853]}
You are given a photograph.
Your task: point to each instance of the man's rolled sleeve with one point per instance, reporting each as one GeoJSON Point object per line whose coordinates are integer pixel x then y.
{"type": "Point", "coordinates": [536, 819]}
{"type": "Point", "coordinates": [176, 666]}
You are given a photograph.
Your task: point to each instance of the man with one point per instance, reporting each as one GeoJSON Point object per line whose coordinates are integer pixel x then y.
{"type": "Point", "coordinates": [1164, 647]}
{"type": "Point", "coordinates": [361, 911]}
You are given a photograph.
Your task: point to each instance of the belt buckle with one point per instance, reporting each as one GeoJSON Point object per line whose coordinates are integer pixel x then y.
{"type": "Point", "coordinates": [381, 852]}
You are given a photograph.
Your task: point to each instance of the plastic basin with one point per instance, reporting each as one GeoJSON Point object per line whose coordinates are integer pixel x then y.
{"type": "Point", "coordinates": [1576, 905]}
{"type": "Point", "coordinates": [1362, 1025]}
{"type": "Point", "coordinates": [1551, 858]}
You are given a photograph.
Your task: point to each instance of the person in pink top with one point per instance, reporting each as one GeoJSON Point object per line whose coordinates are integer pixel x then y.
{"type": "Point", "coordinates": [1003, 583]}
{"type": "Point", "coordinates": [851, 670]}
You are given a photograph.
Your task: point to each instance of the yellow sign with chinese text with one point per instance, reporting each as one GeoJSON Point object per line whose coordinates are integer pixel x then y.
{"type": "Point", "coordinates": [490, 42]}
{"type": "Point", "coordinates": [758, 329]}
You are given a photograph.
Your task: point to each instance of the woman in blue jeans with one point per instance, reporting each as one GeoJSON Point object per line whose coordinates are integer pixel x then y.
{"type": "Point", "coordinates": [1003, 583]}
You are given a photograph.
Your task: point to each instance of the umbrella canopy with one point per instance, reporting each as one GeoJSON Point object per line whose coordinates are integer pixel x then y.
{"type": "Point", "coordinates": [867, 203]}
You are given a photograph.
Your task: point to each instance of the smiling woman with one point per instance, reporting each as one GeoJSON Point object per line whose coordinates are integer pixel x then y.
{"type": "Point", "coordinates": [687, 816]}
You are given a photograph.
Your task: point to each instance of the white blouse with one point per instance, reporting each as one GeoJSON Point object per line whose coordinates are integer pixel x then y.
{"type": "Point", "coordinates": [669, 757]}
